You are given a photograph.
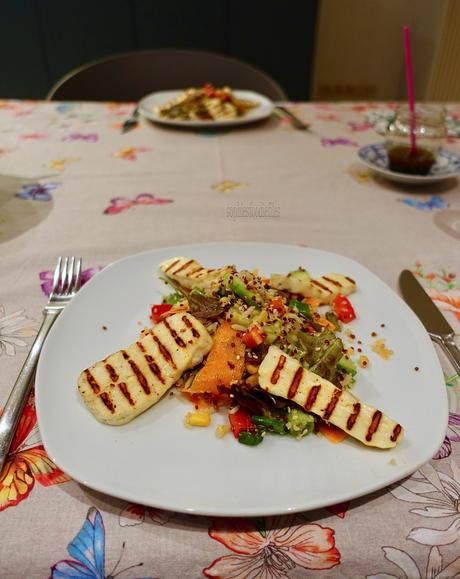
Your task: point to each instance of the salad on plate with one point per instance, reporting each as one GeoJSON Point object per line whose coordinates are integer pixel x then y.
{"type": "Point", "coordinates": [266, 351]}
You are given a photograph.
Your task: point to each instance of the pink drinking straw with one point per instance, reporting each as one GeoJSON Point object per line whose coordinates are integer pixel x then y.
{"type": "Point", "coordinates": [410, 86]}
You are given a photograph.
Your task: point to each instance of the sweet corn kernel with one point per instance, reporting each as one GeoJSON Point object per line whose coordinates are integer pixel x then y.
{"type": "Point", "coordinates": [197, 419]}
{"type": "Point", "coordinates": [251, 368]}
{"type": "Point", "coordinates": [253, 380]}
{"type": "Point", "coordinates": [222, 429]}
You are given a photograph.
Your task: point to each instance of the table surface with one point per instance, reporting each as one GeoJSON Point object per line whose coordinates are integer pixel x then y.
{"type": "Point", "coordinates": [71, 183]}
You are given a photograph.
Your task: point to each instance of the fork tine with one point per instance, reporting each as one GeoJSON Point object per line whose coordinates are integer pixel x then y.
{"type": "Point", "coordinates": [63, 275]}
{"type": "Point", "coordinates": [69, 279]}
{"type": "Point", "coordinates": [56, 277]}
{"type": "Point", "coordinates": [77, 279]}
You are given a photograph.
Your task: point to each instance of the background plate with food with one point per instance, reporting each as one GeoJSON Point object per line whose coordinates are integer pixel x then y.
{"type": "Point", "coordinates": [219, 108]}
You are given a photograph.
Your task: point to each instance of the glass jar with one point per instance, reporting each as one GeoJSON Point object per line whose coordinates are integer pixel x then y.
{"type": "Point", "coordinates": [430, 134]}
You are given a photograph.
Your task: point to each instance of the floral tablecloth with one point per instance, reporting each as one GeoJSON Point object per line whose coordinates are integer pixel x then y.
{"type": "Point", "coordinates": [71, 183]}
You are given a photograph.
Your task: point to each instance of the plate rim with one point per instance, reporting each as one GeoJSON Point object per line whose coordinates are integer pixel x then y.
{"type": "Point", "coordinates": [199, 124]}
{"type": "Point", "coordinates": [405, 177]}
{"type": "Point", "coordinates": [295, 508]}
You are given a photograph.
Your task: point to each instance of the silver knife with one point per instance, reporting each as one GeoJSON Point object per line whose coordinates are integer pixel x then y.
{"type": "Point", "coordinates": [296, 122]}
{"type": "Point", "coordinates": [435, 323]}
{"type": "Point", "coordinates": [131, 122]}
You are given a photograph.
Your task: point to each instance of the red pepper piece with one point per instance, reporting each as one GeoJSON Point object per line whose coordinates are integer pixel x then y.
{"type": "Point", "coordinates": [158, 310]}
{"type": "Point", "coordinates": [344, 309]}
{"type": "Point", "coordinates": [254, 337]}
{"type": "Point", "coordinates": [240, 421]}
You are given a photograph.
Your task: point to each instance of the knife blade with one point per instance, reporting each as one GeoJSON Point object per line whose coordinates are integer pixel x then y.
{"type": "Point", "coordinates": [435, 323]}
{"type": "Point", "coordinates": [296, 122]}
{"type": "Point", "coordinates": [131, 122]}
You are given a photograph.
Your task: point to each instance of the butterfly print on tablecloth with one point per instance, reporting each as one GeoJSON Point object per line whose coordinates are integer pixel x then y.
{"type": "Point", "coordinates": [27, 462]}
{"type": "Point", "coordinates": [339, 141]}
{"type": "Point", "coordinates": [130, 153]}
{"type": "Point", "coordinates": [87, 550]}
{"type": "Point", "coordinates": [37, 191]}
{"type": "Point", "coordinates": [434, 202]}
{"type": "Point", "coordinates": [119, 204]}
{"type": "Point", "coordinates": [88, 137]}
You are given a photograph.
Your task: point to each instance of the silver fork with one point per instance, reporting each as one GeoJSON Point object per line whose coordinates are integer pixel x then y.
{"type": "Point", "coordinates": [66, 283]}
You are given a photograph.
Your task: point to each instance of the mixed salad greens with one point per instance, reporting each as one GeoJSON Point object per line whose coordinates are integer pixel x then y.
{"type": "Point", "coordinates": [246, 313]}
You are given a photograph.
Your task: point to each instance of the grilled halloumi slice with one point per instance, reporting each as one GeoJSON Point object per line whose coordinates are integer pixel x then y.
{"type": "Point", "coordinates": [283, 376]}
{"type": "Point", "coordinates": [190, 274]}
{"type": "Point", "coordinates": [120, 387]}
{"type": "Point", "coordinates": [327, 287]}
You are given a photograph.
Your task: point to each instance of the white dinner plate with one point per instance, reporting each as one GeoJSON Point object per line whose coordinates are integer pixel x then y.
{"type": "Point", "coordinates": [154, 460]}
{"type": "Point", "coordinates": [374, 156]}
{"type": "Point", "coordinates": [147, 108]}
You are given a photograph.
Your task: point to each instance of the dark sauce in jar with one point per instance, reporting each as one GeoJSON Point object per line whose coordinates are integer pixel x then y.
{"type": "Point", "coordinates": [402, 160]}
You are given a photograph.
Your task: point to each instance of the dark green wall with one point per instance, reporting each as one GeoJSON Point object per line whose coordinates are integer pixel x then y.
{"type": "Point", "coordinates": [41, 40]}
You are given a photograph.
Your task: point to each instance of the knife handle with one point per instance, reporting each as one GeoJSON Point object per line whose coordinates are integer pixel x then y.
{"type": "Point", "coordinates": [451, 351]}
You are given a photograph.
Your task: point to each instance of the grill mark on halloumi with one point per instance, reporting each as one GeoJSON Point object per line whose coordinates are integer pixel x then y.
{"type": "Point", "coordinates": [154, 367]}
{"type": "Point", "coordinates": [189, 325]}
{"type": "Point", "coordinates": [354, 415]}
{"type": "Point", "coordinates": [350, 279]}
{"type": "Point", "coordinates": [276, 373]}
{"type": "Point", "coordinates": [137, 371]}
{"type": "Point", "coordinates": [295, 383]}
{"type": "Point", "coordinates": [312, 396]}
{"type": "Point", "coordinates": [124, 390]}
{"type": "Point", "coordinates": [333, 281]}
{"type": "Point", "coordinates": [332, 404]}
{"type": "Point", "coordinates": [179, 341]}
{"type": "Point", "coordinates": [192, 273]}
{"type": "Point", "coordinates": [320, 285]}
{"type": "Point", "coordinates": [376, 418]}
{"type": "Point", "coordinates": [92, 382]}
{"type": "Point", "coordinates": [164, 351]}
{"type": "Point", "coordinates": [111, 370]}
{"type": "Point", "coordinates": [140, 346]}
{"type": "Point", "coordinates": [171, 265]}
{"type": "Point", "coordinates": [396, 432]}
{"type": "Point", "coordinates": [202, 273]}
{"type": "Point", "coordinates": [104, 396]}
{"type": "Point", "coordinates": [182, 267]}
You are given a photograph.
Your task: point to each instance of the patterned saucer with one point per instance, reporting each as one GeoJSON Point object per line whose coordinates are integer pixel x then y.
{"type": "Point", "coordinates": [375, 157]}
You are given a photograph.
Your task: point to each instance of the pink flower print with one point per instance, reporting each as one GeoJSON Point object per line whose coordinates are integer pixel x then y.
{"type": "Point", "coordinates": [339, 141]}
{"type": "Point", "coordinates": [119, 204]}
{"type": "Point", "coordinates": [270, 548]}
{"type": "Point", "coordinates": [47, 278]}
